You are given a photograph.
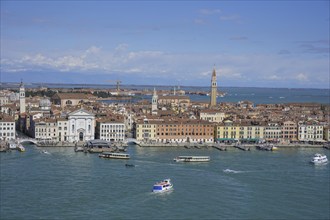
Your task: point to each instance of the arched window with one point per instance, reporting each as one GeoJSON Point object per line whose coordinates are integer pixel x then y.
{"type": "Point", "coordinates": [68, 102]}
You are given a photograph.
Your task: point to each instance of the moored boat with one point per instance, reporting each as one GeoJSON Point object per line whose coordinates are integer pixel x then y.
{"type": "Point", "coordinates": [192, 159]}
{"type": "Point", "coordinates": [163, 186]}
{"type": "Point", "coordinates": [78, 149]}
{"type": "Point", "coordinates": [274, 148]}
{"type": "Point", "coordinates": [20, 148]}
{"type": "Point", "coordinates": [319, 159]}
{"type": "Point", "coordinates": [114, 155]}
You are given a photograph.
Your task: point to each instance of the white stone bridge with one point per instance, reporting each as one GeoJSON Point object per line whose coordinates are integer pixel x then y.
{"type": "Point", "coordinates": [27, 140]}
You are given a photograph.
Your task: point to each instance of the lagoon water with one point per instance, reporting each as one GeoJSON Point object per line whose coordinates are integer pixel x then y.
{"type": "Point", "coordinates": [233, 185]}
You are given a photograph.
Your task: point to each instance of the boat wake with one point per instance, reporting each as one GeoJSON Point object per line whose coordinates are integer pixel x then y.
{"type": "Point", "coordinates": [45, 152]}
{"type": "Point", "coordinates": [233, 171]}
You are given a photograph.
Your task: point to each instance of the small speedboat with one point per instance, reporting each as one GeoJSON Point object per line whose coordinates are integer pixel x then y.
{"type": "Point", "coordinates": [319, 159]}
{"type": "Point", "coordinates": [129, 165]}
{"type": "Point", "coordinates": [45, 152]}
{"type": "Point", "coordinates": [163, 186]}
{"type": "Point", "coordinates": [78, 149]}
{"type": "Point", "coordinates": [20, 148]}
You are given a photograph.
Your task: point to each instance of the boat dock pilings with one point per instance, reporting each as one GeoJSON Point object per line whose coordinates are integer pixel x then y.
{"type": "Point", "coordinates": [242, 147]}
{"type": "Point", "coordinates": [219, 147]}
{"type": "Point", "coordinates": [264, 147]}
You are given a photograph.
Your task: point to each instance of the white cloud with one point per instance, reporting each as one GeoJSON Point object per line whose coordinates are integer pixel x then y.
{"type": "Point", "coordinates": [209, 11]}
{"type": "Point", "coordinates": [274, 77]}
{"type": "Point", "coordinates": [302, 77]}
{"type": "Point", "coordinates": [233, 17]}
{"type": "Point", "coordinates": [193, 69]}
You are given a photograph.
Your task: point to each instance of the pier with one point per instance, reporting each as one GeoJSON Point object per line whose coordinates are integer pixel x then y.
{"type": "Point", "coordinates": [220, 147]}
{"type": "Point", "coordinates": [265, 147]}
{"type": "Point", "coordinates": [242, 147]}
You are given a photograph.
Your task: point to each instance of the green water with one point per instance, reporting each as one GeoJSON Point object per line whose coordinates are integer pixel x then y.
{"type": "Point", "coordinates": [233, 185]}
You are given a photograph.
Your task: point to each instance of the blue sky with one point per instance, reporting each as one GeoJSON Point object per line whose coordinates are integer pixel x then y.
{"type": "Point", "coordinates": [250, 43]}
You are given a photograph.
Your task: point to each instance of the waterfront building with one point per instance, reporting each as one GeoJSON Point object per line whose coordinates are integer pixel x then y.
{"type": "Point", "coordinates": [110, 129]}
{"type": "Point", "coordinates": [44, 129]}
{"type": "Point", "coordinates": [21, 98]}
{"type": "Point", "coordinates": [7, 127]}
{"type": "Point", "coordinates": [310, 131]}
{"type": "Point", "coordinates": [252, 131]}
{"type": "Point", "coordinates": [185, 130]}
{"type": "Point", "coordinates": [81, 126]}
{"type": "Point", "coordinates": [244, 131]}
{"type": "Point", "coordinates": [63, 129]}
{"type": "Point", "coordinates": [213, 99]}
{"type": "Point", "coordinates": [227, 131]}
{"type": "Point", "coordinates": [154, 103]}
{"type": "Point", "coordinates": [70, 99]}
{"type": "Point", "coordinates": [273, 132]}
{"type": "Point", "coordinates": [145, 129]}
{"type": "Point", "coordinates": [173, 130]}
{"type": "Point", "coordinates": [212, 115]}
{"type": "Point", "coordinates": [289, 131]}
{"type": "Point", "coordinates": [326, 133]}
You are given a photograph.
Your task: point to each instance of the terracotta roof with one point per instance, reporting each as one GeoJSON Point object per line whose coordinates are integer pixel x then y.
{"type": "Point", "coordinates": [71, 96]}
{"type": "Point", "coordinates": [6, 118]}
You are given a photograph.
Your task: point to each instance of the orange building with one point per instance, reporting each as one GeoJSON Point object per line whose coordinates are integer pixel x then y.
{"type": "Point", "coordinates": [172, 130]}
{"type": "Point", "coordinates": [184, 130]}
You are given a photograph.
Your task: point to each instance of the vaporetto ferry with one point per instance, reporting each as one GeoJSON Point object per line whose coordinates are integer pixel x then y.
{"type": "Point", "coordinates": [192, 159]}
{"type": "Point", "coordinates": [114, 155]}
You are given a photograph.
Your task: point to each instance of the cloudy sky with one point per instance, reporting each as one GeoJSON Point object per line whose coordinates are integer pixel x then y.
{"type": "Point", "coordinates": [249, 43]}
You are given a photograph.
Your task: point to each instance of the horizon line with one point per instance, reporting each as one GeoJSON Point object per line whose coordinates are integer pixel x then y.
{"type": "Point", "coordinates": [149, 85]}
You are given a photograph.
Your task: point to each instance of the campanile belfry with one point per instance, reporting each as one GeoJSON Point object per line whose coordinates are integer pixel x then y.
{"type": "Point", "coordinates": [213, 100]}
{"type": "Point", "coordinates": [21, 98]}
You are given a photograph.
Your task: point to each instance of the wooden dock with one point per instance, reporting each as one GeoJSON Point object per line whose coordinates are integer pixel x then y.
{"type": "Point", "coordinates": [242, 147]}
{"type": "Point", "coordinates": [264, 147]}
{"type": "Point", "coordinates": [219, 147]}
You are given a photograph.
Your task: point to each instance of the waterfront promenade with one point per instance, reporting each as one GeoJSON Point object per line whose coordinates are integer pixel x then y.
{"type": "Point", "coordinates": [215, 145]}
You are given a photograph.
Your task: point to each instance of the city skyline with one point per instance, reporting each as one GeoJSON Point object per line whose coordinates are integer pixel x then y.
{"type": "Point", "coordinates": [251, 44]}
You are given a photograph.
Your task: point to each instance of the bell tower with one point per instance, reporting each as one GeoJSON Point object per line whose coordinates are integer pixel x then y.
{"type": "Point", "coordinates": [21, 98]}
{"type": "Point", "coordinates": [213, 100]}
{"type": "Point", "coordinates": [154, 102]}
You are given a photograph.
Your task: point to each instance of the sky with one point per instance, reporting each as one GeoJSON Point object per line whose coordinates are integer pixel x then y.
{"type": "Point", "coordinates": [248, 43]}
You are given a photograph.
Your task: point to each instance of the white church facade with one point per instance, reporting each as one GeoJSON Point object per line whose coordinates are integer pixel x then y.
{"type": "Point", "coordinates": [81, 126]}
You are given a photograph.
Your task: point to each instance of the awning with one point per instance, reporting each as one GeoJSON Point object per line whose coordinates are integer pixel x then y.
{"type": "Point", "coordinates": [250, 139]}
{"type": "Point", "coordinates": [225, 139]}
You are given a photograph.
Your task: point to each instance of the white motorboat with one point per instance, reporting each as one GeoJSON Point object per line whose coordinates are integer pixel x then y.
{"type": "Point", "coordinates": [319, 159]}
{"type": "Point", "coordinates": [20, 148]}
{"type": "Point", "coordinates": [45, 152]}
{"type": "Point", "coordinates": [163, 186]}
